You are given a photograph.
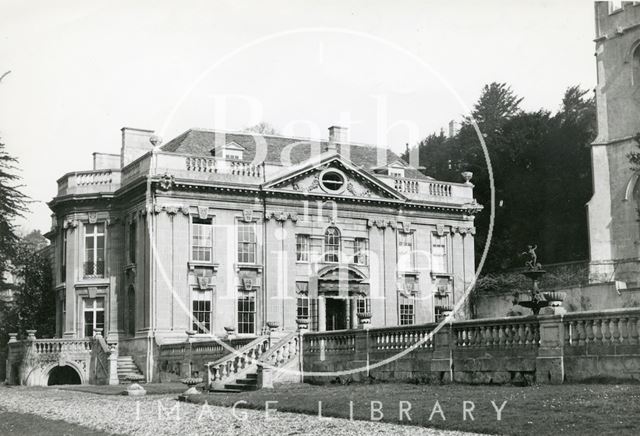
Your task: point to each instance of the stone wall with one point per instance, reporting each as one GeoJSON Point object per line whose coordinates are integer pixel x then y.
{"type": "Point", "coordinates": [546, 349]}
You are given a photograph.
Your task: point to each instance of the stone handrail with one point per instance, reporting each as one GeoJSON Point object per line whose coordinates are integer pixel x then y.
{"type": "Point", "coordinates": [284, 351]}
{"type": "Point", "coordinates": [101, 354]}
{"type": "Point", "coordinates": [502, 332]}
{"type": "Point", "coordinates": [612, 327]}
{"type": "Point", "coordinates": [234, 364]}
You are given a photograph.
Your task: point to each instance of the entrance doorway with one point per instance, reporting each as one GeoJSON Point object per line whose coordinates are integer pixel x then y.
{"type": "Point", "coordinates": [336, 311]}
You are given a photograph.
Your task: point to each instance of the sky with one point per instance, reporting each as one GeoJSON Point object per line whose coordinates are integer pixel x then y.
{"type": "Point", "coordinates": [391, 71]}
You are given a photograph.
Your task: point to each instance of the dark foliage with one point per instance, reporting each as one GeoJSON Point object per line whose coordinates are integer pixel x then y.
{"type": "Point", "coordinates": [13, 203]}
{"type": "Point", "coordinates": [541, 168]}
{"type": "Point", "coordinates": [33, 306]}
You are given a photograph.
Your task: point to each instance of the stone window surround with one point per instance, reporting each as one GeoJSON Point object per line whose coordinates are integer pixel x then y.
{"type": "Point", "coordinates": [90, 291]}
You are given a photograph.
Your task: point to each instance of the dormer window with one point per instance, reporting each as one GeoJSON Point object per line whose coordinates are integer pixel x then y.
{"type": "Point", "coordinates": [233, 154]}
{"type": "Point", "coordinates": [230, 151]}
{"type": "Point", "coordinates": [395, 169]}
{"type": "Point", "coordinates": [396, 172]}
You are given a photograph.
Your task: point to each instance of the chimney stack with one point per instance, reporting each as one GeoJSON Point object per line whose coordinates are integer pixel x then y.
{"type": "Point", "coordinates": [452, 129]}
{"type": "Point", "coordinates": [135, 143]}
{"type": "Point", "coordinates": [337, 135]}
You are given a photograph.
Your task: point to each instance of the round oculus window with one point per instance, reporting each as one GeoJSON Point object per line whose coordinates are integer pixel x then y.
{"type": "Point", "coordinates": [332, 181]}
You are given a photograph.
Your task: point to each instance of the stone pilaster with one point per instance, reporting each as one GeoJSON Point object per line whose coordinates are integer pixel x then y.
{"type": "Point", "coordinates": [550, 360]}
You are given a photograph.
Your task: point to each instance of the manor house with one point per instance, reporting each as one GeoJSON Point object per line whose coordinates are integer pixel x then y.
{"type": "Point", "coordinates": [217, 233]}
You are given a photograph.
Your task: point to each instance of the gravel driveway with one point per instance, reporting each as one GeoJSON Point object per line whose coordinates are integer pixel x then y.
{"type": "Point", "coordinates": [162, 415]}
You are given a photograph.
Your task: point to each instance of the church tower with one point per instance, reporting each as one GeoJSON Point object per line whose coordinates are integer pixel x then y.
{"type": "Point", "coordinates": [614, 209]}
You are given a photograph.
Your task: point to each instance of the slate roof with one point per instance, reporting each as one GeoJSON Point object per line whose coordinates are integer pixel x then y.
{"type": "Point", "coordinates": [200, 142]}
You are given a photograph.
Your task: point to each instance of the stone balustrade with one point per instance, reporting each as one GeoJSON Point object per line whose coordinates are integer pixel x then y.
{"type": "Point", "coordinates": [31, 360]}
{"type": "Point", "coordinates": [502, 333]}
{"type": "Point", "coordinates": [235, 364]}
{"type": "Point", "coordinates": [209, 169]}
{"type": "Point", "coordinates": [402, 337]}
{"type": "Point", "coordinates": [282, 362]}
{"type": "Point", "coordinates": [56, 346]}
{"type": "Point", "coordinates": [335, 342]}
{"type": "Point", "coordinates": [285, 350]}
{"type": "Point", "coordinates": [83, 182]}
{"type": "Point", "coordinates": [176, 360]}
{"type": "Point", "coordinates": [616, 327]}
{"type": "Point", "coordinates": [547, 349]}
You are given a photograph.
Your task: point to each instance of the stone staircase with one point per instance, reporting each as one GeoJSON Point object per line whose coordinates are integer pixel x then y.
{"type": "Point", "coordinates": [127, 367]}
{"type": "Point", "coordinates": [248, 383]}
{"type": "Point", "coordinates": [254, 366]}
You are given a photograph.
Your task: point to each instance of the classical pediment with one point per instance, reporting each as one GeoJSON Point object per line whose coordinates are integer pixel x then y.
{"type": "Point", "coordinates": [334, 177]}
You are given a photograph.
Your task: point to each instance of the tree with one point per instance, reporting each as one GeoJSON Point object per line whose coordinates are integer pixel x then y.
{"type": "Point", "coordinates": [262, 128]}
{"type": "Point", "coordinates": [34, 305]}
{"type": "Point", "coordinates": [542, 173]}
{"type": "Point", "coordinates": [13, 204]}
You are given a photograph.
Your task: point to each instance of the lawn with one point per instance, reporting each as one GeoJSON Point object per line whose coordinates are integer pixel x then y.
{"type": "Point", "coordinates": [539, 410]}
{"type": "Point", "coordinates": [34, 425]}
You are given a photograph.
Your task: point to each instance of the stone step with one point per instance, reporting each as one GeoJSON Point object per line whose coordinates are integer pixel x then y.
{"type": "Point", "coordinates": [252, 376]}
{"type": "Point", "coordinates": [247, 381]}
{"type": "Point", "coordinates": [240, 387]}
{"type": "Point", "coordinates": [226, 391]}
{"type": "Point", "coordinates": [128, 366]}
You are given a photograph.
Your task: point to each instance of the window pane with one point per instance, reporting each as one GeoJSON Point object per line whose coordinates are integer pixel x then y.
{"type": "Point", "coordinates": [246, 243]}
{"type": "Point", "coordinates": [246, 314]}
{"type": "Point", "coordinates": [332, 243]}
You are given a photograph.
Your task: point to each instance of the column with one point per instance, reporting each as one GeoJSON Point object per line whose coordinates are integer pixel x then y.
{"type": "Point", "coordinates": [115, 247]}
{"type": "Point", "coordinates": [354, 312]}
{"type": "Point", "coordinates": [162, 314]}
{"type": "Point", "coordinates": [376, 279]}
{"type": "Point", "coordinates": [322, 314]}
{"type": "Point", "coordinates": [457, 260]}
{"type": "Point", "coordinates": [273, 267]}
{"type": "Point", "coordinates": [73, 259]}
{"type": "Point", "coordinates": [390, 267]}
{"type": "Point", "coordinates": [289, 303]}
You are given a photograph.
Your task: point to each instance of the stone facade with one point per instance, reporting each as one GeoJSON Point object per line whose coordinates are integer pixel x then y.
{"type": "Point", "coordinates": [613, 210]}
{"type": "Point", "coordinates": [222, 234]}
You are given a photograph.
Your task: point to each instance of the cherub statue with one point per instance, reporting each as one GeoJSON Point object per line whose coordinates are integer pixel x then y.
{"type": "Point", "coordinates": [532, 263]}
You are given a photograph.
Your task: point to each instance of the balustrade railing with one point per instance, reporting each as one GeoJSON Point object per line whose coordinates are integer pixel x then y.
{"type": "Point", "coordinates": [212, 347]}
{"type": "Point", "coordinates": [212, 165]}
{"type": "Point", "coordinates": [231, 366]}
{"type": "Point", "coordinates": [619, 327]}
{"type": "Point", "coordinates": [407, 185]}
{"type": "Point", "coordinates": [201, 164]}
{"type": "Point", "coordinates": [332, 342]}
{"type": "Point", "coordinates": [400, 338]}
{"type": "Point", "coordinates": [506, 333]}
{"type": "Point", "coordinates": [54, 346]}
{"type": "Point", "coordinates": [286, 349]}
{"type": "Point", "coordinates": [439, 189]}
